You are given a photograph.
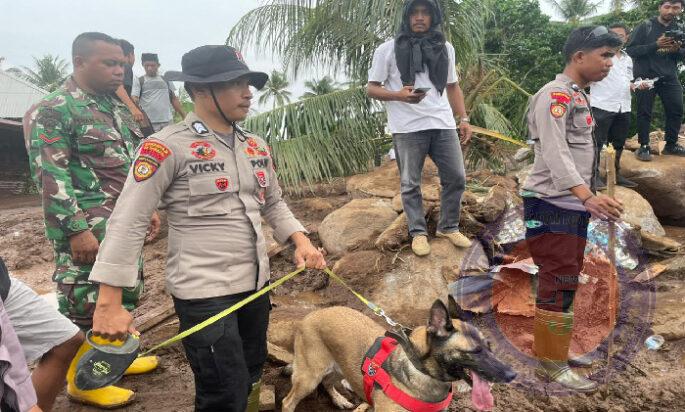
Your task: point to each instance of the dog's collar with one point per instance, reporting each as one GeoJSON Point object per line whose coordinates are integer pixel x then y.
{"type": "Point", "coordinates": [376, 376]}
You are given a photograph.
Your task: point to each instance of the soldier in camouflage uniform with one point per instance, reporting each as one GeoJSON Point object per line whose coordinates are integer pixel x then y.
{"type": "Point", "coordinates": [80, 141]}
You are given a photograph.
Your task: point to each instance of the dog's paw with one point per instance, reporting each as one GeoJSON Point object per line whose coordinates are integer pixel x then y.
{"type": "Point", "coordinates": [339, 400]}
{"type": "Point", "coordinates": [363, 407]}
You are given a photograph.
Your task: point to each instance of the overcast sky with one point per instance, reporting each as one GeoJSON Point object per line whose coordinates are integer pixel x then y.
{"type": "Point", "coordinates": [168, 27]}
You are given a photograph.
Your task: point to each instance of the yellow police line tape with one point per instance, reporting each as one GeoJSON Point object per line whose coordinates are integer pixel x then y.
{"type": "Point", "coordinates": [497, 135]}
{"type": "Point", "coordinates": [376, 310]}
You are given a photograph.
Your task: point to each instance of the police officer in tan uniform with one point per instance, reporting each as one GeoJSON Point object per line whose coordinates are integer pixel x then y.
{"type": "Point", "coordinates": [559, 196]}
{"type": "Point", "coordinates": [216, 183]}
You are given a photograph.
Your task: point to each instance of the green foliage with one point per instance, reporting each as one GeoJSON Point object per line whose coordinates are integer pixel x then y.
{"type": "Point", "coordinates": [276, 90]}
{"type": "Point", "coordinates": [49, 72]}
{"type": "Point", "coordinates": [320, 87]}
{"type": "Point", "coordinates": [574, 11]}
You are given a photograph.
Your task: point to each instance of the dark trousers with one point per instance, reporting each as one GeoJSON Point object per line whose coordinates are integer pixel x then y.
{"type": "Point", "coordinates": [556, 241]}
{"type": "Point", "coordinates": [670, 91]}
{"type": "Point", "coordinates": [611, 128]}
{"type": "Point", "coordinates": [444, 149]}
{"type": "Point", "coordinates": [226, 357]}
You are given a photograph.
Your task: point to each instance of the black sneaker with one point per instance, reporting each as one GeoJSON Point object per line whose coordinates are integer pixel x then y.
{"type": "Point", "coordinates": [643, 153]}
{"type": "Point", "coordinates": [675, 150]}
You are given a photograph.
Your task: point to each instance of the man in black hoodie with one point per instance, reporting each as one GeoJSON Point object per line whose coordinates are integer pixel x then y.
{"type": "Point", "coordinates": [656, 54]}
{"type": "Point", "coordinates": [411, 73]}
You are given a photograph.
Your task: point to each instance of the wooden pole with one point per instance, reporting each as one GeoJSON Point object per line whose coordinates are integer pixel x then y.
{"type": "Point", "coordinates": [611, 255]}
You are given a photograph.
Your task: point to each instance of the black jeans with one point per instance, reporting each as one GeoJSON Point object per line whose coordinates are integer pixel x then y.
{"type": "Point", "coordinates": [556, 240]}
{"type": "Point", "coordinates": [611, 128]}
{"type": "Point", "coordinates": [670, 91]}
{"type": "Point", "coordinates": [226, 357]}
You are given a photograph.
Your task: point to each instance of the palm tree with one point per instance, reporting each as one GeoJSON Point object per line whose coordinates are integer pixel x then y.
{"type": "Point", "coordinates": [337, 133]}
{"type": "Point", "coordinates": [320, 87]}
{"type": "Point", "coordinates": [48, 73]}
{"type": "Point", "coordinates": [275, 90]}
{"type": "Point", "coordinates": [573, 11]}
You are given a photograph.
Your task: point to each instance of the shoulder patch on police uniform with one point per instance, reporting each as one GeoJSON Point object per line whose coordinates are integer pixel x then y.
{"type": "Point", "coordinates": [558, 110]}
{"type": "Point", "coordinates": [254, 149]}
{"type": "Point", "coordinates": [262, 177]}
{"type": "Point", "coordinates": [200, 127]}
{"type": "Point", "coordinates": [203, 150]}
{"type": "Point", "coordinates": [561, 97]}
{"type": "Point", "coordinates": [144, 167]}
{"type": "Point", "coordinates": [156, 150]}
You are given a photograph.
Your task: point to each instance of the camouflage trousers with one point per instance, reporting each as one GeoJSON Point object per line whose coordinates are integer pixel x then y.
{"type": "Point", "coordinates": [76, 295]}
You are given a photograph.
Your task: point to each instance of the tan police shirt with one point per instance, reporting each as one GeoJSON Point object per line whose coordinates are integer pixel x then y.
{"type": "Point", "coordinates": [560, 124]}
{"type": "Point", "coordinates": [215, 198]}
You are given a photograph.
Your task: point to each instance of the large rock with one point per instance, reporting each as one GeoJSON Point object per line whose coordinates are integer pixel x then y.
{"type": "Point", "coordinates": [662, 183]}
{"type": "Point", "coordinates": [638, 211]}
{"type": "Point", "coordinates": [408, 290]}
{"type": "Point", "coordinates": [384, 182]}
{"type": "Point", "coordinates": [355, 225]}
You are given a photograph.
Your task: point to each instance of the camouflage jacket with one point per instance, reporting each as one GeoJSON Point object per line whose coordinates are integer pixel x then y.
{"type": "Point", "coordinates": [80, 148]}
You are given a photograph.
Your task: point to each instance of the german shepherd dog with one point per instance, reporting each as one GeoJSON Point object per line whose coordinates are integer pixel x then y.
{"type": "Point", "coordinates": [336, 339]}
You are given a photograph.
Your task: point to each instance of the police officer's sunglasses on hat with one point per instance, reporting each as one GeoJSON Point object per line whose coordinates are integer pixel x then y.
{"type": "Point", "coordinates": [597, 32]}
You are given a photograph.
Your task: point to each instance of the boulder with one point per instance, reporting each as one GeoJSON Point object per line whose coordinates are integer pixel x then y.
{"type": "Point", "coordinates": [662, 183]}
{"type": "Point", "coordinates": [384, 182]}
{"type": "Point", "coordinates": [395, 235]}
{"type": "Point", "coordinates": [492, 206]}
{"type": "Point", "coordinates": [355, 225]}
{"type": "Point", "coordinates": [638, 211]}
{"type": "Point", "coordinates": [408, 290]}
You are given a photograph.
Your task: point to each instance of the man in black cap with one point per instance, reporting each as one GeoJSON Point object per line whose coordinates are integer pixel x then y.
{"type": "Point", "coordinates": [155, 95]}
{"type": "Point", "coordinates": [216, 183]}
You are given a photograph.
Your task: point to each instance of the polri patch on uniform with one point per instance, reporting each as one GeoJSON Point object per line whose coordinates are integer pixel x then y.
{"type": "Point", "coordinates": [558, 110]}
{"type": "Point", "coordinates": [561, 97]}
{"type": "Point", "coordinates": [144, 167]}
{"type": "Point", "coordinates": [262, 178]}
{"type": "Point", "coordinates": [579, 99]}
{"type": "Point", "coordinates": [253, 148]}
{"type": "Point", "coordinates": [156, 150]}
{"type": "Point", "coordinates": [200, 127]}
{"type": "Point", "coordinates": [589, 119]}
{"type": "Point", "coordinates": [222, 184]}
{"type": "Point", "coordinates": [203, 150]}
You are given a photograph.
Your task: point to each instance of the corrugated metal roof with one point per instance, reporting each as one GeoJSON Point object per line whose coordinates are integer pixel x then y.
{"type": "Point", "coordinates": [17, 95]}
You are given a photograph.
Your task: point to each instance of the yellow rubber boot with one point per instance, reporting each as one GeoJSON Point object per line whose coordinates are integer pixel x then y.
{"type": "Point", "coordinates": [109, 397]}
{"type": "Point", "coordinates": [141, 365]}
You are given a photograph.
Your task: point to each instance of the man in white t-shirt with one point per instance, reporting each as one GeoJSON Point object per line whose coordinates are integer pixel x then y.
{"type": "Point", "coordinates": [610, 100]}
{"type": "Point", "coordinates": [415, 74]}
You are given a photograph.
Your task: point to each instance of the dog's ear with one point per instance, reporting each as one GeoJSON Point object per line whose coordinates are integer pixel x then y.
{"type": "Point", "coordinates": [439, 323]}
{"type": "Point", "coordinates": [456, 312]}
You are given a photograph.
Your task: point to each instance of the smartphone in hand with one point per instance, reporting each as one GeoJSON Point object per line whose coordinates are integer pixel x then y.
{"type": "Point", "coordinates": [421, 90]}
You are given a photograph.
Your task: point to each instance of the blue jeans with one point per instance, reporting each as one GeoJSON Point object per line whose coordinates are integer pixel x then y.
{"type": "Point", "coordinates": [444, 149]}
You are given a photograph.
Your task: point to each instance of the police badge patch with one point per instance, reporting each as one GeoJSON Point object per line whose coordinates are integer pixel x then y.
{"type": "Point", "coordinates": [557, 110]}
{"type": "Point", "coordinates": [144, 167]}
{"type": "Point", "coordinates": [203, 150]}
{"type": "Point", "coordinates": [262, 178]}
{"type": "Point", "coordinates": [222, 184]}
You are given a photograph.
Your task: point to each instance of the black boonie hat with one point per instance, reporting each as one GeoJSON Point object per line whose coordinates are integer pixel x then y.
{"type": "Point", "coordinates": [215, 64]}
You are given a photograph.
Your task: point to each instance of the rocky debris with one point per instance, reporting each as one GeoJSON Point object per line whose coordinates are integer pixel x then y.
{"type": "Point", "coordinates": [669, 319]}
{"type": "Point", "coordinates": [355, 225]}
{"type": "Point", "coordinates": [384, 182]}
{"type": "Point", "coordinates": [662, 183]}
{"type": "Point", "coordinates": [638, 212]}
{"type": "Point", "coordinates": [486, 178]}
{"type": "Point", "coordinates": [656, 142]}
{"type": "Point", "coordinates": [395, 235]}
{"type": "Point", "coordinates": [492, 206]}
{"type": "Point", "coordinates": [661, 246]}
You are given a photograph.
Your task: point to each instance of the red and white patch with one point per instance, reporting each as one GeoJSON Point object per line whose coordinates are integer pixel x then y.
{"type": "Point", "coordinates": [203, 150]}
{"type": "Point", "coordinates": [589, 120]}
{"type": "Point", "coordinates": [239, 55]}
{"type": "Point", "coordinates": [262, 179]}
{"type": "Point", "coordinates": [222, 184]}
{"type": "Point", "coordinates": [156, 150]}
{"type": "Point", "coordinates": [557, 110]}
{"type": "Point", "coordinates": [561, 97]}
{"type": "Point", "coordinates": [579, 99]}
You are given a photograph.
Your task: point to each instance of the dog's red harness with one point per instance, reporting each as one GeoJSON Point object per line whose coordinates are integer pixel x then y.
{"type": "Point", "coordinates": [374, 374]}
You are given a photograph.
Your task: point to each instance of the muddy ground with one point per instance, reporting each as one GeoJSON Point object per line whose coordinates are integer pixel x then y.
{"type": "Point", "coordinates": [170, 388]}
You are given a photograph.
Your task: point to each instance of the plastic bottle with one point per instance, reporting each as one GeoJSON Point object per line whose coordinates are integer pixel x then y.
{"type": "Point", "coordinates": [654, 342]}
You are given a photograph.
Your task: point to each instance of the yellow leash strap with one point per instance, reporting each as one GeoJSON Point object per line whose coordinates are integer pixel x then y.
{"type": "Point", "coordinates": [226, 312]}
{"type": "Point", "coordinates": [497, 135]}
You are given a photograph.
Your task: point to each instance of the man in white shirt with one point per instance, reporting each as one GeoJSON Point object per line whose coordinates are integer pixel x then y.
{"type": "Point", "coordinates": [155, 95]}
{"type": "Point", "coordinates": [415, 74]}
{"type": "Point", "coordinates": [610, 101]}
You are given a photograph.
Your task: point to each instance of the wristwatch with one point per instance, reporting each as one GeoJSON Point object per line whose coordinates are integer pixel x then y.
{"type": "Point", "coordinates": [464, 120]}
